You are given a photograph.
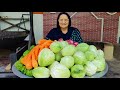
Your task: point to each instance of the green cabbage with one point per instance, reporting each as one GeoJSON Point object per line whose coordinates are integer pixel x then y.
{"type": "Point", "coordinates": [23, 69]}
{"type": "Point", "coordinates": [90, 55]}
{"type": "Point", "coordinates": [58, 70]}
{"type": "Point", "coordinates": [68, 61]}
{"type": "Point", "coordinates": [58, 56]}
{"type": "Point", "coordinates": [46, 57]}
{"type": "Point", "coordinates": [79, 57]}
{"type": "Point", "coordinates": [93, 49]}
{"type": "Point", "coordinates": [63, 44]}
{"type": "Point", "coordinates": [26, 52]}
{"type": "Point", "coordinates": [18, 65]}
{"type": "Point", "coordinates": [78, 71]}
{"type": "Point", "coordinates": [68, 50]}
{"type": "Point", "coordinates": [32, 47]}
{"type": "Point", "coordinates": [55, 47]}
{"type": "Point", "coordinates": [100, 64]}
{"type": "Point", "coordinates": [100, 53]}
{"type": "Point", "coordinates": [29, 73]}
{"type": "Point", "coordinates": [41, 72]}
{"type": "Point", "coordinates": [100, 58]}
{"type": "Point", "coordinates": [90, 68]}
{"type": "Point", "coordinates": [82, 47]}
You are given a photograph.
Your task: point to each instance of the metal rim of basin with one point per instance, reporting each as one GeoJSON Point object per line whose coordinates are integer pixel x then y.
{"type": "Point", "coordinates": [97, 75]}
{"type": "Point", "coordinates": [100, 74]}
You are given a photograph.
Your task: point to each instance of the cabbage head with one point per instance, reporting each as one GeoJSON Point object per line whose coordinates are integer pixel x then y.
{"type": "Point", "coordinates": [82, 47]}
{"type": "Point", "coordinates": [78, 71]}
{"type": "Point", "coordinates": [55, 47]}
{"type": "Point", "coordinates": [68, 50]}
{"type": "Point", "coordinates": [68, 61]}
{"type": "Point", "coordinates": [90, 68]}
{"type": "Point", "coordinates": [58, 70]}
{"type": "Point", "coordinates": [58, 56]}
{"type": "Point", "coordinates": [46, 57]}
{"type": "Point", "coordinates": [93, 49]}
{"type": "Point", "coordinates": [100, 64]}
{"type": "Point", "coordinates": [79, 57]}
{"type": "Point", "coordinates": [63, 44]}
{"type": "Point", "coordinates": [90, 55]}
{"type": "Point", "coordinates": [41, 72]}
{"type": "Point", "coordinates": [100, 53]}
{"type": "Point", "coordinates": [100, 58]}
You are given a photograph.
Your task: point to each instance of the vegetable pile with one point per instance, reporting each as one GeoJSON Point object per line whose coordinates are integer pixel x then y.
{"type": "Point", "coordinates": [61, 59]}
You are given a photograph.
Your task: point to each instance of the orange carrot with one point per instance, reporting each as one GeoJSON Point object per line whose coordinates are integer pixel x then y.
{"type": "Point", "coordinates": [29, 64]}
{"type": "Point", "coordinates": [34, 62]}
{"type": "Point", "coordinates": [42, 46]}
{"type": "Point", "coordinates": [24, 60]}
{"type": "Point", "coordinates": [46, 46]}
{"type": "Point", "coordinates": [36, 52]}
{"type": "Point", "coordinates": [47, 43]}
{"type": "Point", "coordinates": [29, 61]}
{"type": "Point", "coordinates": [41, 41]}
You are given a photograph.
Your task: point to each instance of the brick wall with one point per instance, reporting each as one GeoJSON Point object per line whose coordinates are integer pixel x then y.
{"type": "Point", "coordinates": [89, 26]}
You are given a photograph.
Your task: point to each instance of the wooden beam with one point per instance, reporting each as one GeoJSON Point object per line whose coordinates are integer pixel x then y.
{"type": "Point", "coordinates": [37, 12]}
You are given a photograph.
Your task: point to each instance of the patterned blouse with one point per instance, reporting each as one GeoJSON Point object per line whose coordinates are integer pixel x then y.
{"type": "Point", "coordinates": [73, 34]}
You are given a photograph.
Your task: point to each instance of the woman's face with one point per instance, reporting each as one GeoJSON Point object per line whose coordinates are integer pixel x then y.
{"type": "Point", "coordinates": [63, 21]}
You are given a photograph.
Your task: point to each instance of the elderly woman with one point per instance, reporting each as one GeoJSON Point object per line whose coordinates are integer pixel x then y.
{"type": "Point", "coordinates": [64, 30]}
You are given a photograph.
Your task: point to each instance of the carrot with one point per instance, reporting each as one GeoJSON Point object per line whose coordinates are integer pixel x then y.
{"type": "Point", "coordinates": [29, 62]}
{"type": "Point", "coordinates": [31, 59]}
{"type": "Point", "coordinates": [47, 43]}
{"type": "Point", "coordinates": [34, 62]}
{"type": "Point", "coordinates": [36, 52]}
{"type": "Point", "coordinates": [24, 60]}
{"type": "Point", "coordinates": [39, 51]}
{"type": "Point", "coordinates": [42, 47]}
{"type": "Point", "coordinates": [41, 41]}
{"type": "Point", "coordinates": [46, 46]}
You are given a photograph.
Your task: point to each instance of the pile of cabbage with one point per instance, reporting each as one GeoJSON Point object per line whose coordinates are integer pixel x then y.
{"type": "Point", "coordinates": [65, 60]}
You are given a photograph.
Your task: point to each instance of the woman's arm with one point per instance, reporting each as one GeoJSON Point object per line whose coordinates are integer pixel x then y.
{"type": "Point", "coordinates": [76, 36]}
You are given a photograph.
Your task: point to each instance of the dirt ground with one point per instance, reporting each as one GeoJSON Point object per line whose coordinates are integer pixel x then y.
{"type": "Point", "coordinates": [4, 59]}
{"type": "Point", "coordinates": [114, 64]}
{"type": "Point", "coordinates": [114, 69]}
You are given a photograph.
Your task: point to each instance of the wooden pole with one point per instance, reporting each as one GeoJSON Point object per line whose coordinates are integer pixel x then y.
{"type": "Point", "coordinates": [31, 35]}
